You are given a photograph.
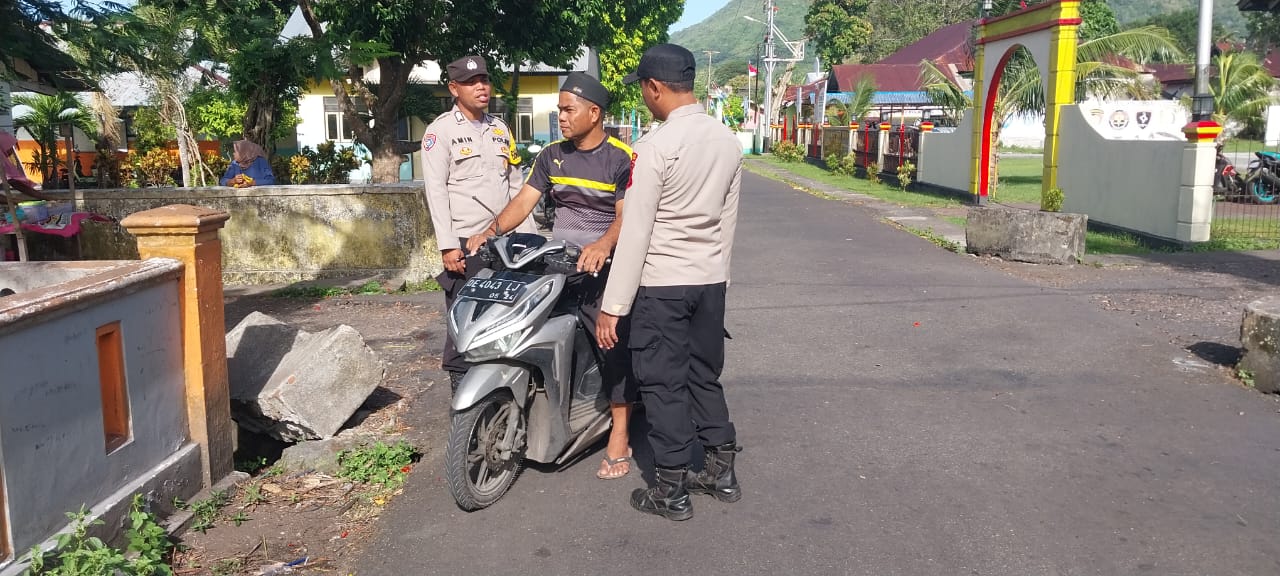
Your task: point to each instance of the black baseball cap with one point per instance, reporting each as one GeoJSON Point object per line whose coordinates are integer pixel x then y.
{"type": "Point", "coordinates": [466, 68]}
{"type": "Point", "coordinates": [587, 87]}
{"type": "Point", "coordinates": [664, 63]}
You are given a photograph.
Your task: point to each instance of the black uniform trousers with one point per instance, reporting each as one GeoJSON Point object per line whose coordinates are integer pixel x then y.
{"type": "Point", "coordinates": [677, 353]}
{"type": "Point", "coordinates": [451, 283]}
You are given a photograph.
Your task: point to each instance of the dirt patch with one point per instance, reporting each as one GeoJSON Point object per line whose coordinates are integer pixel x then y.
{"type": "Point", "coordinates": [314, 521]}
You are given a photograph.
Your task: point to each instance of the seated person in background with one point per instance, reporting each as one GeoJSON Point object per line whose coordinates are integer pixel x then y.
{"type": "Point", "coordinates": [12, 168]}
{"type": "Point", "coordinates": [249, 167]}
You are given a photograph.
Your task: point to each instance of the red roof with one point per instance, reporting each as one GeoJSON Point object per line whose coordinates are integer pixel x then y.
{"type": "Point", "coordinates": [945, 46]}
{"type": "Point", "coordinates": [1172, 73]}
{"type": "Point", "coordinates": [887, 77]}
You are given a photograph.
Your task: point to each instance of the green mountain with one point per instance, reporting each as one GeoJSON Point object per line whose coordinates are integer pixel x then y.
{"type": "Point", "coordinates": [1225, 12]}
{"type": "Point", "coordinates": [734, 37]}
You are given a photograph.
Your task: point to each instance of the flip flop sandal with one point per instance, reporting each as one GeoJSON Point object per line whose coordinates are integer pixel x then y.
{"type": "Point", "coordinates": [611, 462]}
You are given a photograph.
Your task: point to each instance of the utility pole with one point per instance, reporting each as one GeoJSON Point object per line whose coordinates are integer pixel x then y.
{"type": "Point", "coordinates": [709, 54]}
{"type": "Point", "coordinates": [769, 64]}
{"type": "Point", "coordinates": [770, 61]}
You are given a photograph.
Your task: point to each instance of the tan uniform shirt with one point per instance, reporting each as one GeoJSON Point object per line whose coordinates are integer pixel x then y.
{"type": "Point", "coordinates": [459, 161]}
{"type": "Point", "coordinates": [681, 210]}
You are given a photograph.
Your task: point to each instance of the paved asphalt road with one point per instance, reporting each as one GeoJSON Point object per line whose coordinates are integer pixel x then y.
{"type": "Point", "coordinates": [905, 411]}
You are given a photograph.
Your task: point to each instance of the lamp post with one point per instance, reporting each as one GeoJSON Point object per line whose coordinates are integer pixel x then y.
{"type": "Point", "coordinates": [1202, 102]}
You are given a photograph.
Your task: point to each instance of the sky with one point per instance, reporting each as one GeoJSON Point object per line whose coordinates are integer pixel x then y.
{"type": "Point", "coordinates": [696, 11]}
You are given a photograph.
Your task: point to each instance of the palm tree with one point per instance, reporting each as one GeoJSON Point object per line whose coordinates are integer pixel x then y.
{"type": "Point", "coordinates": [1101, 70]}
{"type": "Point", "coordinates": [1241, 88]}
{"type": "Point", "coordinates": [48, 114]}
{"type": "Point", "coordinates": [864, 93]}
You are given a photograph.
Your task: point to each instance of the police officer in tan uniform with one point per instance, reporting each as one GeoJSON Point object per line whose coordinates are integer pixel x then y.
{"type": "Point", "coordinates": [469, 168]}
{"type": "Point", "coordinates": [670, 272]}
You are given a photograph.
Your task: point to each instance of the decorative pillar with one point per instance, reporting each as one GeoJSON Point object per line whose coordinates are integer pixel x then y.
{"type": "Point", "coordinates": [190, 234]}
{"type": "Point", "coordinates": [853, 137]}
{"type": "Point", "coordinates": [1195, 196]}
{"type": "Point", "coordinates": [1061, 86]}
{"type": "Point", "coordinates": [884, 144]}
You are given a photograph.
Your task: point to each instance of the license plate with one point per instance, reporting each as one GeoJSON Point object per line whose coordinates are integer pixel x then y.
{"type": "Point", "coordinates": [493, 290]}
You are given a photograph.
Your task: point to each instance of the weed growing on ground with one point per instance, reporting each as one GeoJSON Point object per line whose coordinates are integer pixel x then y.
{"type": "Point", "coordinates": [310, 292]}
{"type": "Point", "coordinates": [930, 235]}
{"type": "Point", "coordinates": [1245, 376]}
{"type": "Point", "coordinates": [873, 172]}
{"type": "Point", "coordinates": [79, 554]}
{"type": "Point", "coordinates": [905, 170]}
{"type": "Point", "coordinates": [428, 285]}
{"type": "Point", "coordinates": [253, 495]}
{"type": "Point", "coordinates": [205, 511]}
{"type": "Point", "coordinates": [381, 464]}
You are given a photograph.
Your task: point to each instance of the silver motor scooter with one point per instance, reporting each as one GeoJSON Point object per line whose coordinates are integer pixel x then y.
{"type": "Point", "coordinates": [534, 389]}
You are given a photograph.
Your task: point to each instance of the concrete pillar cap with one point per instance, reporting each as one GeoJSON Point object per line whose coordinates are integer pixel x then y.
{"type": "Point", "coordinates": [175, 216]}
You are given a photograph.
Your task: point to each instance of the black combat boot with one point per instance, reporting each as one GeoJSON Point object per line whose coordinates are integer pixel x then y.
{"type": "Point", "coordinates": [667, 498]}
{"type": "Point", "coordinates": [717, 477]}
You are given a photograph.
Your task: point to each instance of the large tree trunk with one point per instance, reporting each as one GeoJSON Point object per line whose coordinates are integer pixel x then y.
{"type": "Point", "coordinates": [259, 121]}
{"type": "Point", "coordinates": [384, 107]}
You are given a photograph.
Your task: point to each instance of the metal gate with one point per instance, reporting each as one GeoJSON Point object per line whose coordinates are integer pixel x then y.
{"type": "Point", "coordinates": [1246, 193]}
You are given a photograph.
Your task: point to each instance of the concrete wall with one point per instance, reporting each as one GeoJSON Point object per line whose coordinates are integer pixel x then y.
{"type": "Point", "coordinates": [53, 449]}
{"type": "Point", "coordinates": [1131, 184]}
{"type": "Point", "coordinates": [946, 158]}
{"type": "Point", "coordinates": [282, 234]}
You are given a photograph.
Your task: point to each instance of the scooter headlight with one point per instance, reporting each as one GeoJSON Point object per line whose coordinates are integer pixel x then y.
{"type": "Point", "coordinates": [505, 332]}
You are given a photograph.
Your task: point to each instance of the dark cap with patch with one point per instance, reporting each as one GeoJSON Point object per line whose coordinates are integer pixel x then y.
{"type": "Point", "coordinates": [587, 87]}
{"type": "Point", "coordinates": [664, 63]}
{"type": "Point", "coordinates": [466, 68]}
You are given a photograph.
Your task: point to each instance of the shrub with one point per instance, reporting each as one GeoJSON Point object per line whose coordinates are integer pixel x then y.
{"type": "Point", "coordinates": [905, 170]}
{"type": "Point", "coordinates": [217, 164]}
{"type": "Point", "coordinates": [845, 165]}
{"type": "Point", "coordinates": [1051, 200]}
{"type": "Point", "coordinates": [155, 167]}
{"type": "Point", "coordinates": [873, 172]}
{"type": "Point", "coordinates": [787, 151]}
{"type": "Point", "coordinates": [281, 169]}
{"type": "Point", "coordinates": [330, 165]}
{"type": "Point", "coordinates": [299, 169]}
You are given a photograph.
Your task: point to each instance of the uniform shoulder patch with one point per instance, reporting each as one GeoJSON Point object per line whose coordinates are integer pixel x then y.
{"type": "Point", "coordinates": [428, 142]}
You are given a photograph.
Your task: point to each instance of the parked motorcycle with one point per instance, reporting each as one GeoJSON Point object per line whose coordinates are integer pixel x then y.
{"type": "Point", "coordinates": [1260, 184]}
{"type": "Point", "coordinates": [534, 390]}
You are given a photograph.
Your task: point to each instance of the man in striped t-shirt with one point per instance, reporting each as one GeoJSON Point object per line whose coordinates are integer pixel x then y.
{"type": "Point", "coordinates": [587, 175]}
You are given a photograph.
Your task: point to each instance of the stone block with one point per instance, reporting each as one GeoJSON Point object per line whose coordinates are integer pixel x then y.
{"type": "Point", "coordinates": [1260, 337]}
{"type": "Point", "coordinates": [295, 385]}
{"type": "Point", "coordinates": [1026, 235]}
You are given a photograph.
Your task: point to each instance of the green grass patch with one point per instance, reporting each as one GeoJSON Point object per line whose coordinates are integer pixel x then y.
{"type": "Point", "coordinates": [1241, 145]}
{"type": "Point", "coordinates": [1020, 149]}
{"type": "Point", "coordinates": [1020, 181]}
{"type": "Point", "coordinates": [1114, 243]}
{"type": "Point", "coordinates": [960, 221]}
{"type": "Point", "coordinates": [937, 239]}
{"type": "Point", "coordinates": [1227, 243]}
{"type": "Point", "coordinates": [428, 285]}
{"type": "Point", "coordinates": [861, 186]}
{"type": "Point", "coordinates": [310, 292]}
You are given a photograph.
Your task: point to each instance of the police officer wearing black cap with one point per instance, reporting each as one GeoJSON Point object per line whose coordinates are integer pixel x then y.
{"type": "Point", "coordinates": [587, 175]}
{"type": "Point", "coordinates": [467, 155]}
{"type": "Point", "coordinates": [670, 272]}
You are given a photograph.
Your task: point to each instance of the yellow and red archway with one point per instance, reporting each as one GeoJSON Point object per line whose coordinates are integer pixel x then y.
{"type": "Point", "coordinates": [1049, 32]}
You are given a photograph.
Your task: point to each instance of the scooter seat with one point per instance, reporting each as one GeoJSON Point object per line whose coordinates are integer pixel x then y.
{"type": "Point", "coordinates": [1270, 154]}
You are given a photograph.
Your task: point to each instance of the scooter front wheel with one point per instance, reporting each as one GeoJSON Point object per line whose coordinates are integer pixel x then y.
{"type": "Point", "coordinates": [486, 448]}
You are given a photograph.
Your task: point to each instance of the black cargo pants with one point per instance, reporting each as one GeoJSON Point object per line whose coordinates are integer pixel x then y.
{"type": "Point", "coordinates": [677, 353]}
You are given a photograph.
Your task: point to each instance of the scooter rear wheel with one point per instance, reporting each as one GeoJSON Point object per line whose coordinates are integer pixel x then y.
{"type": "Point", "coordinates": [479, 470]}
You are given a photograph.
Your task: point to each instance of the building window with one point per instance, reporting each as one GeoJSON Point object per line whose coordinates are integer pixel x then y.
{"type": "Point", "coordinates": [335, 124]}
{"type": "Point", "coordinates": [524, 128]}
{"type": "Point", "coordinates": [115, 392]}
{"type": "Point", "coordinates": [402, 129]}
